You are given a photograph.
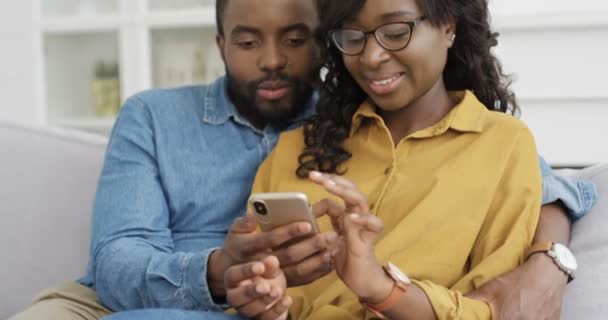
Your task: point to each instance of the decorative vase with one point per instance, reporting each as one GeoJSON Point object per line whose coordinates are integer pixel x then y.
{"type": "Point", "coordinates": [106, 96]}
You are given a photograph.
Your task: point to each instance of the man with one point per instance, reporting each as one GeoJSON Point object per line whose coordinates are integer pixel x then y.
{"type": "Point", "coordinates": [179, 169]}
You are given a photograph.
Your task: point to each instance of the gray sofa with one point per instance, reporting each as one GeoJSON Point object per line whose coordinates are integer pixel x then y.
{"type": "Point", "coordinates": [47, 184]}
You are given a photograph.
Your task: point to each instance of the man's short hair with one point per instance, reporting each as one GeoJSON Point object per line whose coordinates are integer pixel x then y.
{"type": "Point", "coordinates": [220, 7]}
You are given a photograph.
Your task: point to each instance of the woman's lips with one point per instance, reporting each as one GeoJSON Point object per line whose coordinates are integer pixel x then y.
{"type": "Point", "coordinates": [383, 85]}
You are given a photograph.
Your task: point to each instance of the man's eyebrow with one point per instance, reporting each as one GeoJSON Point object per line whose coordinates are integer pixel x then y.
{"type": "Point", "coordinates": [244, 29]}
{"type": "Point", "coordinates": [296, 27]}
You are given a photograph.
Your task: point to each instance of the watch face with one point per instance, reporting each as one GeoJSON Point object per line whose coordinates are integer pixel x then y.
{"type": "Point", "coordinates": [397, 274]}
{"type": "Point", "coordinates": [565, 257]}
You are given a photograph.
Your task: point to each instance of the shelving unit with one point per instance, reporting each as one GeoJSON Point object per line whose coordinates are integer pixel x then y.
{"type": "Point", "coordinates": [146, 43]}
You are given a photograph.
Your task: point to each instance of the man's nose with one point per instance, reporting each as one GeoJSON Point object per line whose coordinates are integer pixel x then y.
{"type": "Point", "coordinates": [272, 58]}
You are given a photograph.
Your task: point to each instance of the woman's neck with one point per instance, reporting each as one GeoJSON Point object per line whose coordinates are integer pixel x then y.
{"type": "Point", "coordinates": [421, 113]}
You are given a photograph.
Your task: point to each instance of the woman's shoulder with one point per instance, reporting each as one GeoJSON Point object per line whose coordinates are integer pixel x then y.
{"type": "Point", "coordinates": [291, 140]}
{"type": "Point", "coordinates": [474, 114]}
{"type": "Point", "coordinates": [504, 123]}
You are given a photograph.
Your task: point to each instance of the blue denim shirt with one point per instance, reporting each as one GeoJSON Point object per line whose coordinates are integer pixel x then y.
{"type": "Point", "coordinates": [178, 171]}
{"type": "Point", "coordinates": [577, 195]}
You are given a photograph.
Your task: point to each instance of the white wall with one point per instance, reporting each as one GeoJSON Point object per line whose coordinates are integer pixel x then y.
{"type": "Point", "coordinates": [557, 50]}
{"type": "Point", "coordinates": [19, 87]}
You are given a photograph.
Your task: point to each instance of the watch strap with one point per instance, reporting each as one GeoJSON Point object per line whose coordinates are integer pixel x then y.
{"type": "Point", "coordinates": [545, 247]}
{"type": "Point", "coordinates": [393, 299]}
{"type": "Point", "coordinates": [539, 247]}
{"type": "Point", "coordinates": [399, 289]}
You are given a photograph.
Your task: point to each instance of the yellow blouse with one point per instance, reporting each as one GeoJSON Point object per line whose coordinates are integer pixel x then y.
{"type": "Point", "coordinates": [460, 201]}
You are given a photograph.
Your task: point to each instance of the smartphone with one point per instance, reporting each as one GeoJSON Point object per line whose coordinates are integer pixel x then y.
{"type": "Point", "coordinates": [273, 210]}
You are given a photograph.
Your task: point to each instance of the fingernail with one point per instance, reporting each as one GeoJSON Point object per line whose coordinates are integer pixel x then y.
{"type": "Point", "coordinates": [330, 183]}
{"type": "Point", "coordinates": [257, 268]}
{"type": "Point", "coordinates": [315, 174]}
{"type": "Point", "coordinates": [275, 294]}
{"type": "Point", "coordinates": [260, 288]}
{"type": "Point", "coordinates": [355, 216]}
{"type": "Point", "coordinates": [332, 237]}
{"type": "Point", "coordinates": [305, 228]}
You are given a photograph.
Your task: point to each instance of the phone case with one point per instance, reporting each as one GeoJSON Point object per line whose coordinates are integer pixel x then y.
{"type": "Point", "coordinates": [282, 209]}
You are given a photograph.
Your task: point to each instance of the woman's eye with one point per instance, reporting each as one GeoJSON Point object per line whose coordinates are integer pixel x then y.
{"type": "Point", "coordinates": [396, 36]}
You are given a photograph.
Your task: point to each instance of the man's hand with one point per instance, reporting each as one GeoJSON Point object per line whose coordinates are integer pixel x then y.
{"type": "Point", "coordinates": [310, 259]}
{"type": "Point", "coordinates": [532, 291]}
{"type": "Point", "coordinates": [302, 262]}
{"type": "Point", "coordinates": [307, 260]}
{"type": "Point", "coordinates": [257, 290]}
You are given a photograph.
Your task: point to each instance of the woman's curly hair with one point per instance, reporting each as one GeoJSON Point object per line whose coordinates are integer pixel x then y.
{"type": "Point", "coordinates": [471, 65]}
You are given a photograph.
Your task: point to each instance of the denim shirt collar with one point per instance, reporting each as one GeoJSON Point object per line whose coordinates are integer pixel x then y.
{"type": "Point", "coordinates": [218, 108]}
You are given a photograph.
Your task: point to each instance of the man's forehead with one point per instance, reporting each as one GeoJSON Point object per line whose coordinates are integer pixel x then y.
{"type": "Point", "coordinates": [270, 14]}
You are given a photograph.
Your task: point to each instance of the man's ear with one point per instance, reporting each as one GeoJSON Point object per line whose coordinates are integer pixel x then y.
{"type": "Point", "coordinates": [220, 41]}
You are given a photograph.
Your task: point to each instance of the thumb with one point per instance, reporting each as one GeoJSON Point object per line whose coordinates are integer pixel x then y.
{"type": "Point", "coordinates": [244, 224]}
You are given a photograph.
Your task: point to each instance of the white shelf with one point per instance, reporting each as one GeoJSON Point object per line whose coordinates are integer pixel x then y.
{"type": "Point", "coordinates": [176, 4]}
{"type": "Point", "coordinates": [155, 43]}
{"type": "Point", "coordinates": [552, 21]}
{"type": "Point", "coordinates": [96, 124]}
{"type": "Point", "coordinates": [68, 8]}
{"type": "Point", "coordinates": [178, 18]}
{"type": "Point", "coordinates": [184, 56]}
{"type": "Point", "coordinates": [82, 24]}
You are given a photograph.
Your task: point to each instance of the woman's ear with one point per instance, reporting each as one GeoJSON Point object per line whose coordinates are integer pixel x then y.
{"type": "Point", "coordinates": [449, 31]}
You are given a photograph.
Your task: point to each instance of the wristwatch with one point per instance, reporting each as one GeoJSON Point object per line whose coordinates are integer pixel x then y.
{"type": "Point", "coordinates": [561, 255]}
{"type": "Point", "coordinates": [402, 283]}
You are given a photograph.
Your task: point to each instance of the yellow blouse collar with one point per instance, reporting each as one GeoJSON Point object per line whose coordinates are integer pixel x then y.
{"type": "Point", "coordinates": [467, 116]}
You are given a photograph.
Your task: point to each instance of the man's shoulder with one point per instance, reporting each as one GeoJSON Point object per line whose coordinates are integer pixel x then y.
{"type": "Point", "coordinates": [181, 104]}
{"type": "Point", "coordinates": [170, 98]}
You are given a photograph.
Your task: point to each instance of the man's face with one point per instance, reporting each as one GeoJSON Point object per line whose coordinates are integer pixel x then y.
{"type": "Point", "coordinates": [271, 57]}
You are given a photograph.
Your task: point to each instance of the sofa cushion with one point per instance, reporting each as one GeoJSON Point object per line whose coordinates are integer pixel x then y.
{"type": "Point", "coordinates": [586, 295]}
{"type": "Point", "coordinates": [48, 179]}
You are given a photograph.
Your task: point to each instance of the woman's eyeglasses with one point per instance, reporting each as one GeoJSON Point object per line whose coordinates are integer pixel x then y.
{"type": "Point", "coordinates": [392, 37]}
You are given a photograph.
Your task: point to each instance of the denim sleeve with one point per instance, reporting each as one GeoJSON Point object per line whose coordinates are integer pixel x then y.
{"type": "Point", "coordinates": [577, 195]}
{"type": "Point", "coordinates": [134, 264]}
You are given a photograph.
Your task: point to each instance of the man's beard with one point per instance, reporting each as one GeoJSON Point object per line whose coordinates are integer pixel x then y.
{"type": "Point", "coordinates": [244, 97]}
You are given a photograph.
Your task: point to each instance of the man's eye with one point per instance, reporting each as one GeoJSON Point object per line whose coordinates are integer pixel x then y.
{"type": "Point", "coordinates": [295, 42]}
{"type": "Point", "coordinates": [247, 44]}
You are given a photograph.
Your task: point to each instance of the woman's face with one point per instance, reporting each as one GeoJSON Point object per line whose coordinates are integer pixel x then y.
{"type": "Point", "coordinates": [394, 79]}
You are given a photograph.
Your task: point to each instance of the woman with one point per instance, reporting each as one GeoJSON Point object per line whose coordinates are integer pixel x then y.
{"type": "Point", "coordinates": [422, 167]}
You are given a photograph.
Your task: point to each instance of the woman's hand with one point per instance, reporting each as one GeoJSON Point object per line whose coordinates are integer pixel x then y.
{"type": "Point", "coordinates": [257, 290]}
{"type": "Point", "coordinates": [354, 255]}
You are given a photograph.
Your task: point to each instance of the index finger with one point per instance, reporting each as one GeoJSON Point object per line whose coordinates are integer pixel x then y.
{"type": "Point", "coordinates": [353, 198]}
{"type": "Point", "coordinates": [271, 239]}
{"type": "Point", "coordinates": [328, 207]}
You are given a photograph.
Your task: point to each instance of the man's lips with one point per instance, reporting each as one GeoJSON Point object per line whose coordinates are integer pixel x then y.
{"type": "Point", "coordinates": [273, 90]}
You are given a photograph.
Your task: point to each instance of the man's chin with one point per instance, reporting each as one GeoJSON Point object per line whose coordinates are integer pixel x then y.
{"type": "Point", "coordinates": [277, 117]}
{"type": "Point", "coordinates": [276, 111]}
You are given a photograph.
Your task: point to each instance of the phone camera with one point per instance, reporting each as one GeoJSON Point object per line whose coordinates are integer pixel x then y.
{"type": "Point", "coordinates": [260, 208]}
